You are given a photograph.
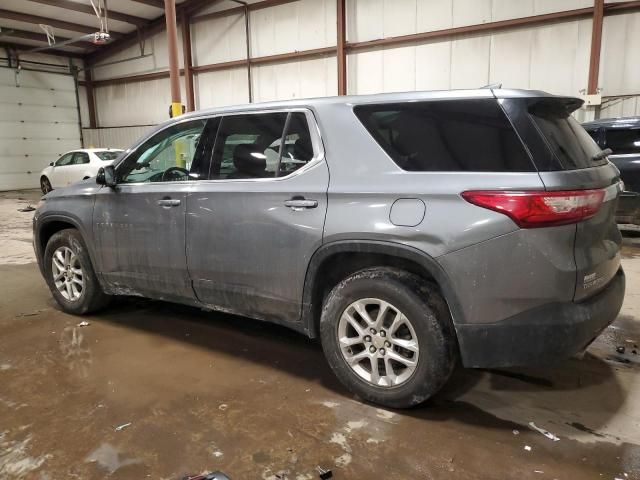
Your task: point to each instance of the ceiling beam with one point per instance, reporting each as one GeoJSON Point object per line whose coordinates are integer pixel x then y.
{"type": "Point", "coordinates": [82, 8]}
{"type": "Point", "coordinates": [28, 18]}
{"type": "Point", "coordinates": [39, 37]}
{"type": "Point", "coordinates": [189, 7]}
{"type": "Point", "coordinates": [151, 3]}
{"type": "Point", "coordinates": [23, 49]}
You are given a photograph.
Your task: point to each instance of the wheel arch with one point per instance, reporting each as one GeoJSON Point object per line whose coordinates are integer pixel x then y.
{"type": "Point", "coordinates": [334, 261]}
{"type": "Point", "coordinates": [49, 226]}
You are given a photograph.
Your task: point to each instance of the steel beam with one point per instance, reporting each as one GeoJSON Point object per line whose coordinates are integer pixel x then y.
{"type": "Point", "coordinates": [86, 8]}
{"type": "Point", "coordinates": [28, 18]}
{"type": "Point", "coordinates": [239, 10]}
{"type": "Point", "coordinates": [341, 50]}
{"type": "Point", "coordinates": [188, 63]}
{"type": "Point", "coordinates": [91, 101]}
{"type": "Point", "coordinates": [153, 27]}
{"type": "Point", "coordinates": [596, 46]}
{"type": "Point", "coordinates": [151, 3]}
{"type": "Point", "coordinates": [40, 37]}
{"type": "Point", "coordinates": [23, 49]}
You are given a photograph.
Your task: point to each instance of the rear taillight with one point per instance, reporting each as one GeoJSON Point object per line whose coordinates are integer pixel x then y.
{"type": "Point", "coordinates": [534, 209]}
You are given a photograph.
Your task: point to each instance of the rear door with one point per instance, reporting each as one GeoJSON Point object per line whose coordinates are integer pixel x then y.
{"type": "Point", "coordinates": [568, 159]}
{"type": "Point", "coordinates": [253, 226]}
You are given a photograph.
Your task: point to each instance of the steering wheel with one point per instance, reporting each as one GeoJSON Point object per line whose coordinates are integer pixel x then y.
{"type": "Point", "coordinates": [176, 172]}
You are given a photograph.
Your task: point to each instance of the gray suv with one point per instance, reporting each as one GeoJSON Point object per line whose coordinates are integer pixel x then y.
{"type": "Point", "coordinates": [407, 231]}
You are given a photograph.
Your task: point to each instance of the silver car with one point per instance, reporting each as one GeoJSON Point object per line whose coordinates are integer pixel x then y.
{"type": "Point", "coordinates": [406, 231]}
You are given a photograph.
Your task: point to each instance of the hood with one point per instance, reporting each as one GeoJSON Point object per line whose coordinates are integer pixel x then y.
{"type": "Point", "coordinates": [83, 187]}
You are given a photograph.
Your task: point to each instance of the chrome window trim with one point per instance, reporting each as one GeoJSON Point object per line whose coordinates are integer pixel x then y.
{"type": "Point", "coordinates": [314, 130]}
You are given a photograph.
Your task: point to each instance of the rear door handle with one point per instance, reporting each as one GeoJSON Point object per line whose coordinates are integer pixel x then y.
{"type": "Point", "coordinates": [298, 204]}
{"type": "Point", "coordinates": [169, 202]}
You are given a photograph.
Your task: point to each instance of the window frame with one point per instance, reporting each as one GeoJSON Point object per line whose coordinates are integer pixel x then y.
{"type": "Point", "coordinates": [129, 153]}
{"type": "Point", "coordinates": [314, 132]}
{"type": "Point", "coordinates": [312, 124]}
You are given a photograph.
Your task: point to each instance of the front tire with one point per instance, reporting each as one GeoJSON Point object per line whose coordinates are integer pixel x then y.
{"type": "Point", "coordinates": [70, 275]}
{"type": "Point", "coordinates": [388, 336]}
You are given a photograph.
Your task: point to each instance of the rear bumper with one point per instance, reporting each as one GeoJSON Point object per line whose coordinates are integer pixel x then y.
{"type": "Point", "coordinates": [542, 335]}
{"type": "Point", "coordinates": [628, 210]}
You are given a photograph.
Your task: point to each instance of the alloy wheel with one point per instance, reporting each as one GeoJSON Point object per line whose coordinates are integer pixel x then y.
{"type": "Point", "coordinates": [378, 342]}
{"type": "Point", "coordinates": [67, 273]}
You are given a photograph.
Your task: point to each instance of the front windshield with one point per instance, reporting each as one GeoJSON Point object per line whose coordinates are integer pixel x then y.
{"type": "Point", "coordinates": [108, 155]}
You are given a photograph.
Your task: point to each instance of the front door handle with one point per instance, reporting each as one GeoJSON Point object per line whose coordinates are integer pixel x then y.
{"type": "Point", "coordinates": [169, 202]}
{"type": "Point", "coordinates": [298, 204]}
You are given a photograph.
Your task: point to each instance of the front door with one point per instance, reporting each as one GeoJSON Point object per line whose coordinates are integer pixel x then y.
{"type": "Point", "coordinates": [60, 171]}
{"type": "Point", "coordinates": [139, 225]}
{"type": "Point", "coordinates": [253, 226]}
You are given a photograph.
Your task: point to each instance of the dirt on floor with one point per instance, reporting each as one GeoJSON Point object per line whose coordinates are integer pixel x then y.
{"type": "Point", "coordinates": [153, 390]}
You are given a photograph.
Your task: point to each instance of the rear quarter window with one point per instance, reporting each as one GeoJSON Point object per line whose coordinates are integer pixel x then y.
{"type": "Point", "coordinates": [446, 136]}
{"type": "Point", "coordinates": [571, 145]}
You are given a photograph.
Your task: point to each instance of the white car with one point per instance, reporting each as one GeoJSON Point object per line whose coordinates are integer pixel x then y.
{"type": "Point", "coordinates": [75, 166]}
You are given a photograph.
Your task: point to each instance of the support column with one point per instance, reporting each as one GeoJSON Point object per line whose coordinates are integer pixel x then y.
{"type": "Point", "coordinates": [91, 101]}
{"type": "Point", "coordinates": [172, 43]}
{"type": "Point", "coordinates": [188, 63]}
{"type": "Point", "coordinates": [341, 51]}
{"type": "Point", "coordinates": [596, 45]}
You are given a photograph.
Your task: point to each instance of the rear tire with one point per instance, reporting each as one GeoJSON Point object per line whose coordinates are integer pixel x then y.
{"type": "Point", "coordinates": [45, 185]}
{"type": "Point", "coordinates": [400, 358]}
{"type": "Point", "coordinates": [70, 275]}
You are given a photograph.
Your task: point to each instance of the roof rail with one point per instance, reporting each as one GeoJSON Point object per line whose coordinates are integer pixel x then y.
{"type": "Point", "coordinates": [493, 85]}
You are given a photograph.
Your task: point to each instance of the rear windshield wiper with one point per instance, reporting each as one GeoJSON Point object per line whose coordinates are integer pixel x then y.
{"type": "Point", "coordinates": [600, 155]}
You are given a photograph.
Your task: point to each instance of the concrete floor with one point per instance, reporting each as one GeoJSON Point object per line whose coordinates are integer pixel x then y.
{"type": "Point", "coordinates": [204, 391]}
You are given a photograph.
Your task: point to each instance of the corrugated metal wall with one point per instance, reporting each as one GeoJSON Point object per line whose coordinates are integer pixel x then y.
{"type": "Point", "coordinates": [553, 57]}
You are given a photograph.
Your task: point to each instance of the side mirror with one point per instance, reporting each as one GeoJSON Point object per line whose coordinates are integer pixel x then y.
{"type": "Point", "coordinates": [106, 176]}
{"type": "Point", "coordinates": [51, 164]}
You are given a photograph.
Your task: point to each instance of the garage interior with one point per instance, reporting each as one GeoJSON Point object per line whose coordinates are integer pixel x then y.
{"type": "Point", "coordinates": [148, 389]}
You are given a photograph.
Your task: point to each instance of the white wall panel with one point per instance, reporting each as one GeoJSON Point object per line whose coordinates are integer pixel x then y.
{"type": "Point", "coordinates": [620, 107]}
{"type": "Point", "coordinates": [113, 137]}
{"type": "Point", "coordinates": [157, 59]}
{"type": "Point", "coordinates": [219, 40]}
{"type": "Point", "coordinates": [560, 57]}
{"type": "Point", "coordinates": [620, 56]}
{"type": "Point", "coordinates": [470, 62]}
{"type": "Point", "coordinates": [371, 19]}
{"type": "Point", "coordinates": [297, 79]}
{"type": "Point", "coordinates": [221, 88]}
{"type": "Point", "coordinates": [135, 103]}
{"type": "Point", "coordinates": [301, 25]}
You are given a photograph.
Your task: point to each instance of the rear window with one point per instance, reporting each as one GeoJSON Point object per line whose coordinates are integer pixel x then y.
{"type": "Point", "coordinates": [623, 140]}
{"type": "Point", "coordinates": [108, 155]}
{"type": "Point", "coordinates": [569, 142]}
{"type": "Point", "coordinates": [446, 136]}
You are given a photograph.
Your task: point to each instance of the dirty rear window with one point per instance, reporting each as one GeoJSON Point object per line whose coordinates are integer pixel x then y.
{"type": "Point", "coordinates": [569, 142]}
{"type": "Point", "coordinates": [446, 136]}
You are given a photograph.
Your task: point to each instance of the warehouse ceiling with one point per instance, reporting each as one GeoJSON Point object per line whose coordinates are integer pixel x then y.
{"type": "Point", "coordinates": [73, 23]}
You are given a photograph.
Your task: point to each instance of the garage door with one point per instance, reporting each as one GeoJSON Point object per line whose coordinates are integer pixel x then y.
{"type": "Point", "coordinates": [38, 123]}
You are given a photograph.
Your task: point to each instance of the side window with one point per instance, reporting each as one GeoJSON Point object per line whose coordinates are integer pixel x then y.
{"type": "Point", "coordinates": [248, 146]}
{"type": "Point", "coordinates": [446, 136]}
{"type": "Point", "coordinates": [64, 160]}
{"type": "Point", "coordinates": [623, 140]}
{"type": "Point", "coordinates": [80, 157]}
{"type": "Point", "coordinates": [165, 157]}
{"type": "Point", "coordinates": [298, 148]}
